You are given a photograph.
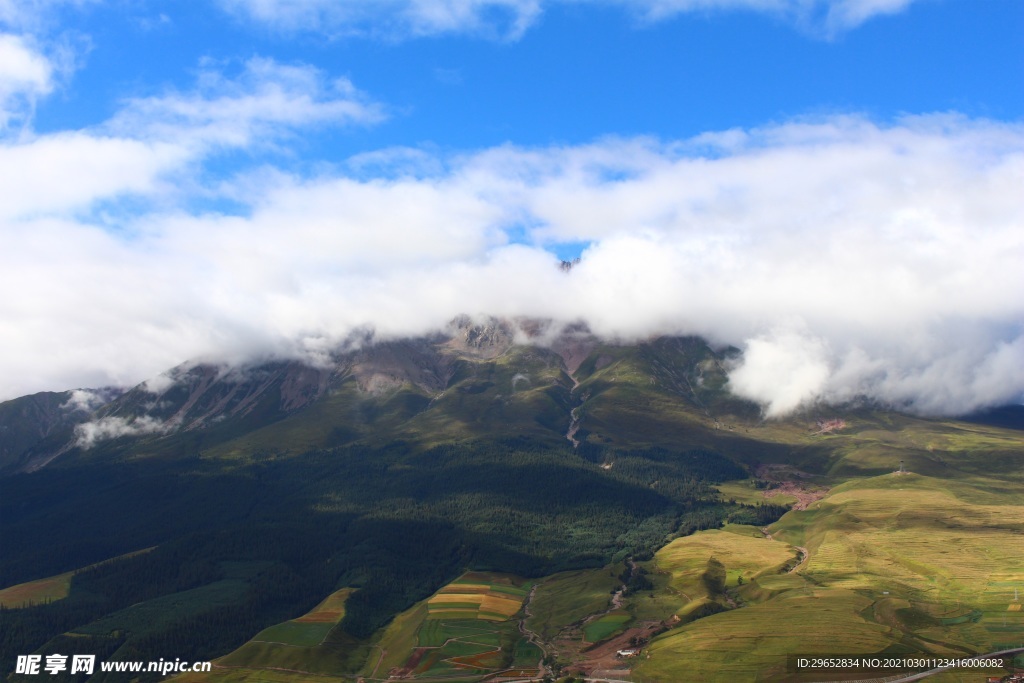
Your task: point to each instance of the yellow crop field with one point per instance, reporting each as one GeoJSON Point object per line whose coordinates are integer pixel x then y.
{"type": "Point", "coordinates": [466, 588]}
{"type": "Point", "coordinates": [475, 598]}
{"type": "Point", "coordinates": [331, 610]}
{"type": "Point", "coordinates": [903, 561]}
{"type": "Point", "coordinates": [37, 592]}
{"type": "Point", "coordinates": [470, 598]}
{"type": "Point", "coordinates": [751, 643]}
{"type": "Point", "coordinates": [742, 555]}
{"type": "Point", "coordinates": [501, 605]}
{"type": "Point", "coordinates": [49, 589]}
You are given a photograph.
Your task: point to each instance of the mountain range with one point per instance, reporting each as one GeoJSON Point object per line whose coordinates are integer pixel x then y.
{"type": "Point", "coordinates": [185, 515]}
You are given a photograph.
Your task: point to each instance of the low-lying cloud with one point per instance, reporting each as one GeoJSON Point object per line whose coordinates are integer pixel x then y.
{"type": "Point", "coordinates": [89, 433]}
{"type": "Point", "coordinates": [849, 259]}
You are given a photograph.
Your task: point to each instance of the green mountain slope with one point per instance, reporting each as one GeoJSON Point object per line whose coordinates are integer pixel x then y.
{"type": "Point", "coordinates": [399, 466]}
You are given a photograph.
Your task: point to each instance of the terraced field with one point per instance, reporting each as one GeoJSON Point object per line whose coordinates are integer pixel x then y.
{"type": "Point", "coordinates": [464, 631]}
{"type": "Point", "coordinates": [743, 552]}
{"type": "Point", "coordinates": [308, 648]}
{"type": "Point", "coordinates": [478, 596]}
{"type": "Point", "coordinates": [897, 563]}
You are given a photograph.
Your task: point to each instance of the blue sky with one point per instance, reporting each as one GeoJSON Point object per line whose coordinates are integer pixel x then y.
{"type": "Point", "coordinates": [831, 185]}
{"type": "Point", "coordinates": [579, 72]}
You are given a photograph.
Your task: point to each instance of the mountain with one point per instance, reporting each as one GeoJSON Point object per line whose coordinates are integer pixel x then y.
{"type": "Point", "coordinates": [34, 429]}
{"type": "Point", "coordinates": [475, 380]}
{"type": "Point", "coordinates": [183, 516]}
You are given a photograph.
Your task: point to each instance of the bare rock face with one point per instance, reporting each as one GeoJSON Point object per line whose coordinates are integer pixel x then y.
{"type": "Point", "coordinates": [486, 339]}
{"type": "Point", "coordinates": [386, 366]}
{"type": "Point", "coordinates": [194, 396]}
{"type": "Point", "coordinates": [574, 343]}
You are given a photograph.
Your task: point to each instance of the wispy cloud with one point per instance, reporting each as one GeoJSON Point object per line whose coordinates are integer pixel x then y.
{"type": "Point", "coordinates": [25, 76]}
{"type": "Point", "coordinates": [509, 19]}
{"type": "Point", "coordinates": [506, 19]}
{"type": "Point", "coordinates": [33, 15]}
{"type": "Point", "coordinates": [89, 433]}
{"type": "Point", "coordinates": [151, 139]}
{"type": "Point", "coordinates": [259, 104]}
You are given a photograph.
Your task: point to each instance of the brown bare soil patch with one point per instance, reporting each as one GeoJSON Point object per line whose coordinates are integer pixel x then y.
{"type": "Point", "coordinates": [603, 655]}
{"type": "Point", "coordinates": [804, 493]}
{"type": "Point", "coordinates": [325, 617]}
{"type": "Point", "coordinates": [410, 664]}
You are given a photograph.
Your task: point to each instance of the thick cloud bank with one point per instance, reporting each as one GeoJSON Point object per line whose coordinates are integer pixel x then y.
{"type": "Point", "coordinates": [848, 259]}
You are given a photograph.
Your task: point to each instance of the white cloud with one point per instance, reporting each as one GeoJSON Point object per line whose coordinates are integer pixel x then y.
{"type": "Point", "coordinates": [85, 400]}
{"type": "Point", "coordinates": [782, 370]}
{"type": "Point", "coordinates": [827, 16]}
{"type": "Point", "coordinates": [509, 19]}
{"type": "Point", "coordinates": [390, 18]}
{"type": "Point", "coordinates": [154, 141]}
{"type": "Point", "coordinates": [267, 97]}
{"type": "Point", "coordinates": [843, 14]}
{"type": "Point", "coordinates": [890, 256]}
{"type": "Point", "coordinates": [89, 433]}
{"type": "Point", "coordinates": [30, 15]}
{"type": "Point", "coordinates": [25, 75]}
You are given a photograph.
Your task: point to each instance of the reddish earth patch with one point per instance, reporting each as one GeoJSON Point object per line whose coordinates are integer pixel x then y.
{"type": "Point", "coordinates": [487, 660]}
{"type": "Point", "coordinates": [325, 617]}
{"type": "Point", "coordinates": [603, 655]}
{"type": "Point", "coordinates": [804, 494]}
{"type": "Point", "coordinates": [514, 674]}
{"type": "Point", "coordinates": [410, 664]}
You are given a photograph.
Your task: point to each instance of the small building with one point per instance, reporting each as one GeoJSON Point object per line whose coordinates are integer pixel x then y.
{"type": "Point", "coordinates": [630, 652]}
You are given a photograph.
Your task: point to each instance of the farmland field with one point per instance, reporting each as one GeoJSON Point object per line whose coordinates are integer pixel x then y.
{"type": "Point", "coordinates": [465, 630]}
{"type": "Point", "coordinates": [742, 551]}
{"type": "Point", "coordinates": [568, 597]}
{"type": "Point", "coordinates": [303, 646]}
{"type": "Point", "coordinates": [897, 563]}
{"type": "Point", "coordinates": [606, 626]}
{"type": "Point", "coordinates": [37, 592]}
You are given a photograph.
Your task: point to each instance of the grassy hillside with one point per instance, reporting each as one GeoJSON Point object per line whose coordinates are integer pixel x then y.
{"type": "Point", "coordinates": [398, 475]}
{"type": "Point", "coordinates": [896, 563]}
{"type": "Point", "coordinates": [37, 592]}
{"type": "Point", "coordinates": [312, 645]}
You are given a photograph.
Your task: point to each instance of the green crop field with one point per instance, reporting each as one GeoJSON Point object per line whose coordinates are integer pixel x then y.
{"type": "Point", "coordinates": [606, 626]}
{"type": "Point", "coordinates": [305, 646]}
{"type": "Point", "coordinates": [565, 598]}
{"type": "Point", "coordinates": [742, 492]}
{"type": "Point", "coordinates": [465, 630]}
{"type": "Point", "coordinates": [295, 633]}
